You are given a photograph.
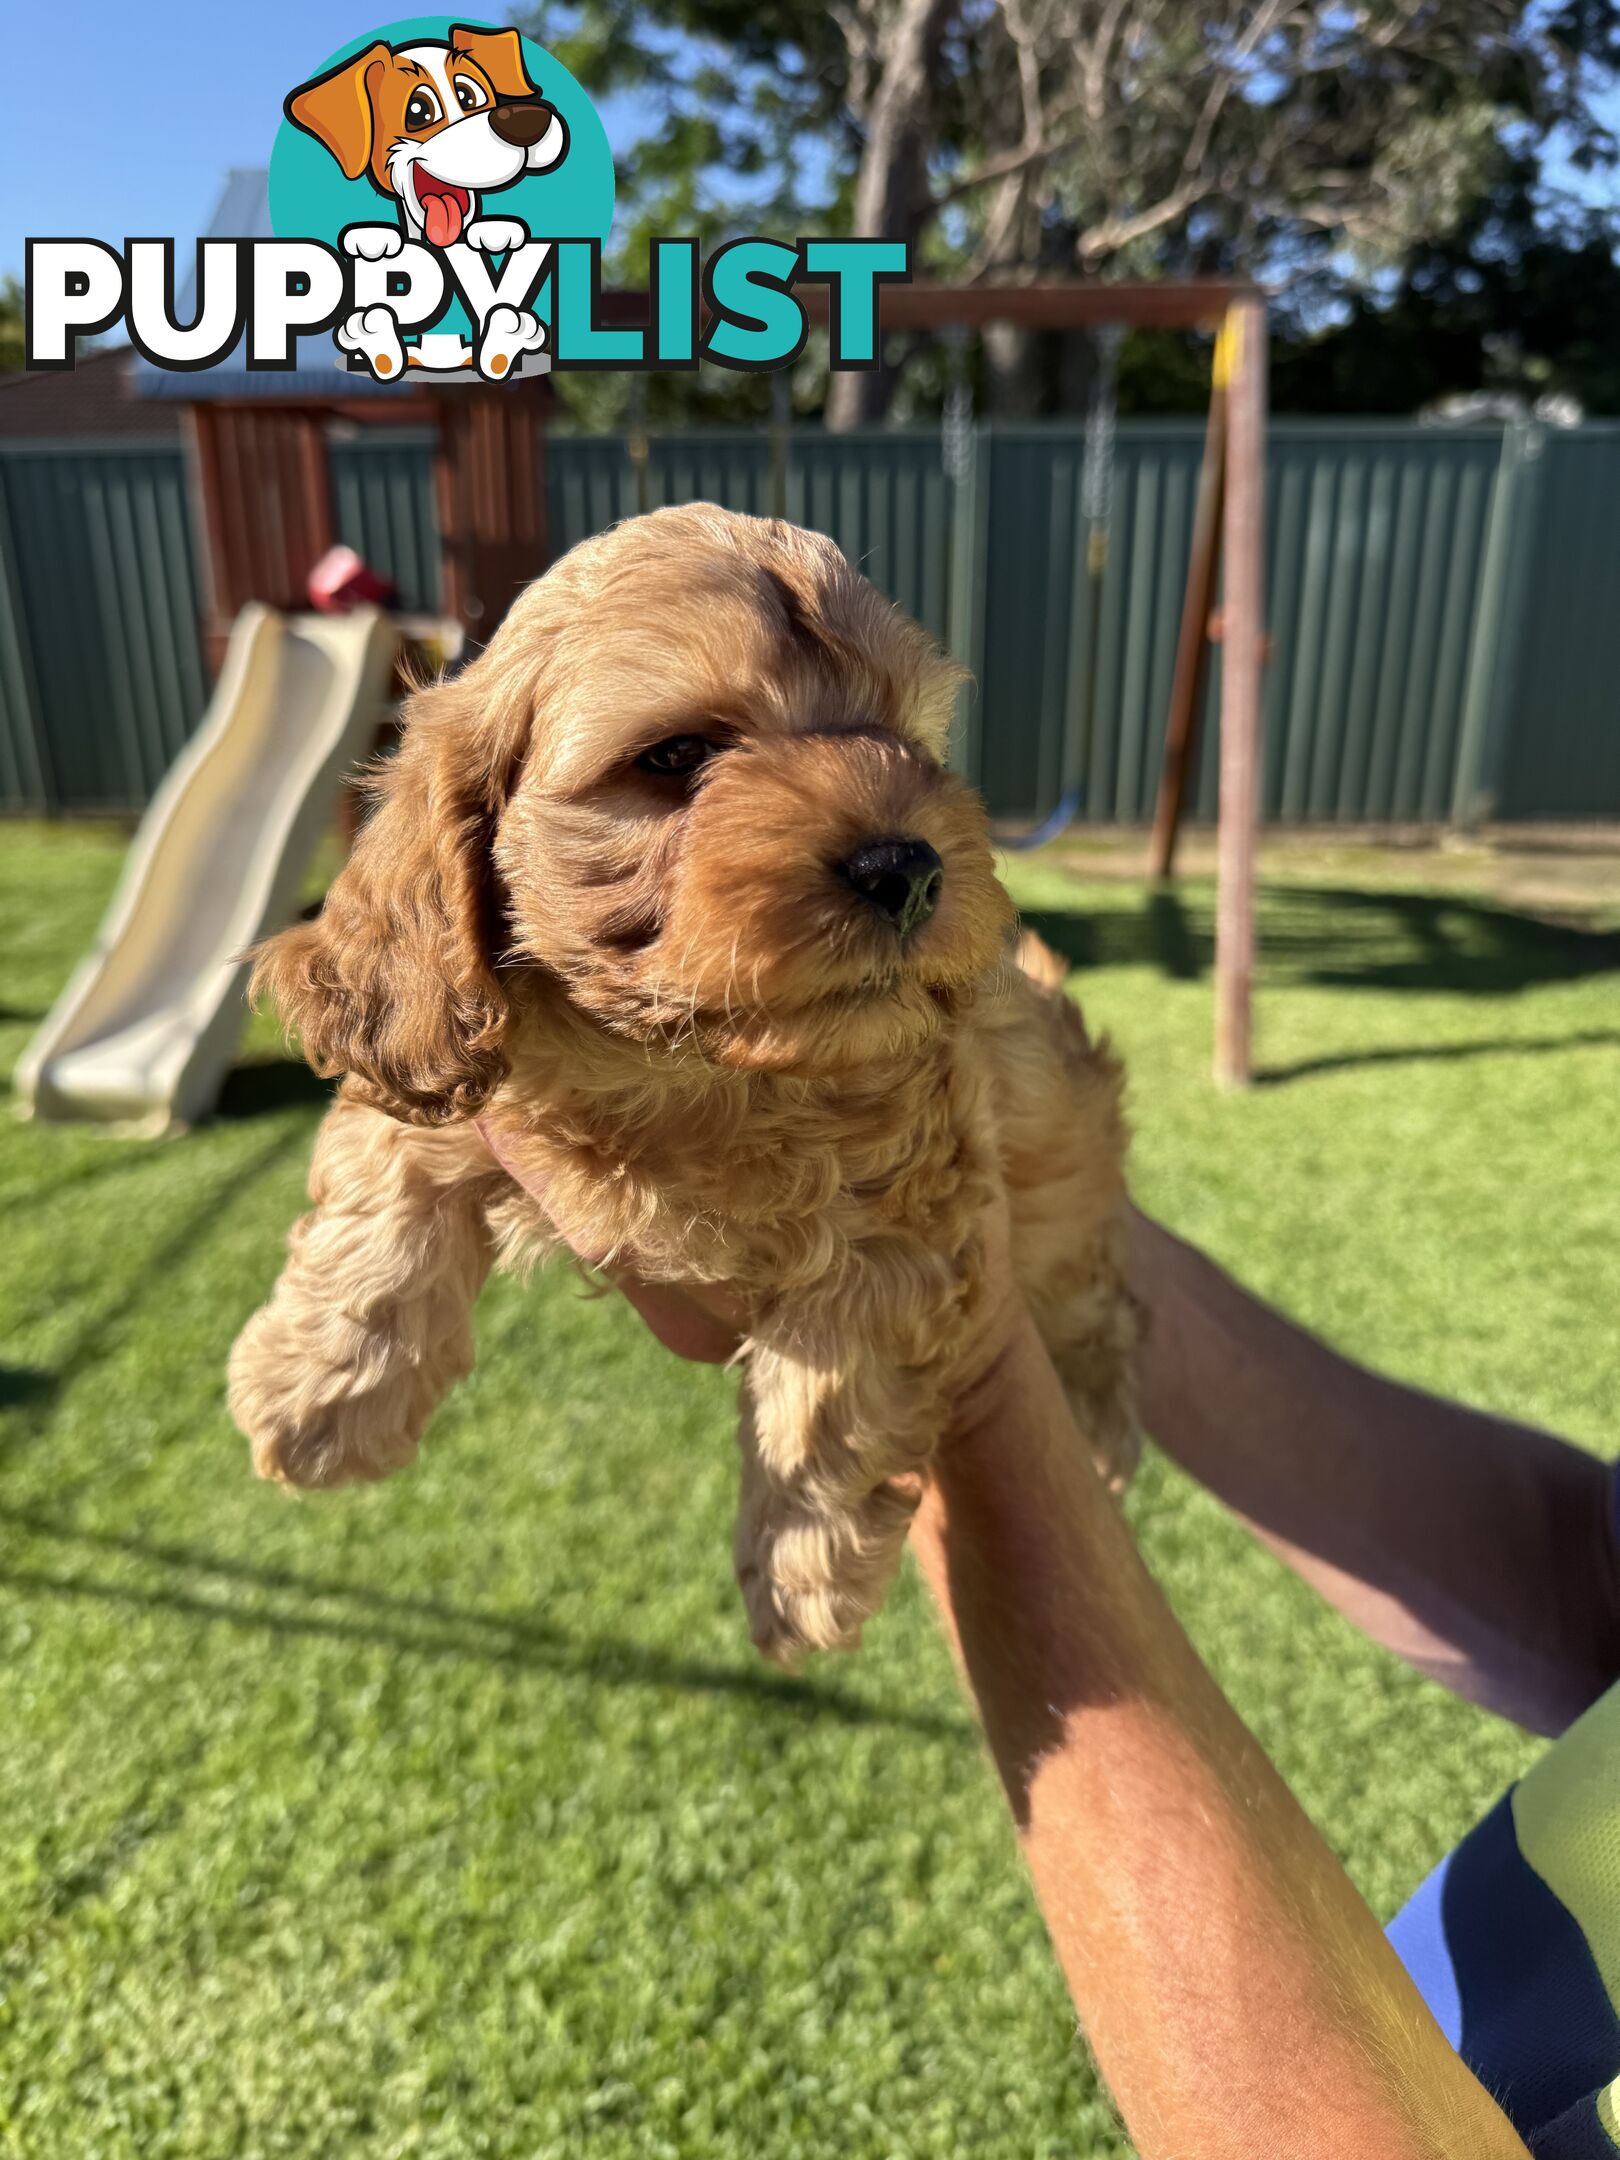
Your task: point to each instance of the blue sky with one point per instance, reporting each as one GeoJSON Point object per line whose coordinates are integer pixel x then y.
{"type": "Point", "coordinates": [163, 101]}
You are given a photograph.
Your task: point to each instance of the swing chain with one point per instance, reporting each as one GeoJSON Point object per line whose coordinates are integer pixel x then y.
{"type": "Point", "coordinates": [956, 429]}
{"type": "Point", "coordinates": [1097, 480]}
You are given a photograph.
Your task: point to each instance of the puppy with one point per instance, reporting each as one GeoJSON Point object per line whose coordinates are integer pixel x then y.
{"type": "Point", "coordinates": [434, 125]}
{"type": "Point", "coordinates": [670, 895]}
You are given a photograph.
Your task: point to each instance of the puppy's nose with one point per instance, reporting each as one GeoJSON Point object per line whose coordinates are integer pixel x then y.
{"type": "Point", "coordinates": [902, 877]}
{"type": "Point", "coordinates": [521, 125]}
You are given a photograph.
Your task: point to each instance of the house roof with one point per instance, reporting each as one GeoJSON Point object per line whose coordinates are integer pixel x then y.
{"type": "Point", "coordinates": [96, 397]}
{"type": "Point", "coordinates": [243, 213]}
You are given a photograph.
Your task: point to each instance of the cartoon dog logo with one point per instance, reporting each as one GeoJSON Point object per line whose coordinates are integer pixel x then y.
{"type": "Point", "coordinates": [435, 125]}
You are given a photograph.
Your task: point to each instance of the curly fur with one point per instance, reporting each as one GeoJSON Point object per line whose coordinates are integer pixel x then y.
{"type": "Point", "coordinates": [685, 1030]}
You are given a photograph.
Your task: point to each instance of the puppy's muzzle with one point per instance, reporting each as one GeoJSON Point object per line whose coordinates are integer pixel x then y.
{"type": "Point", "coordinates": [521, 123]}
{"type": "Point", "coordinates": [902, 879]}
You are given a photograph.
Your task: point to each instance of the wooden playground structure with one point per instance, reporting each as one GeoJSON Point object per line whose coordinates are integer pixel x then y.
{"type": "Point", "coordinates": [264, 490]}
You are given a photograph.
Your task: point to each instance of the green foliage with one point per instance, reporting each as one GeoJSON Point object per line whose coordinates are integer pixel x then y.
{"type": "Point", "coordinates": [1321, 149]}
{"type": "Point", "coordinates": [734, 112]}
{"type": "Point", "coordinates": [1523, 298]}
{"type": "Point", "coordinates": [455, 1818]}
{"type": "Point", "coordinates": [11, 325]}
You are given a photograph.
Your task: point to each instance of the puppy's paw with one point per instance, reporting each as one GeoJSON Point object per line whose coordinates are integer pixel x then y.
{"type": "Point", "coordinates": [495, 235]}
{"type": "Point", "coordinates": [506, 334]}
{"type": "Point", "coordinates": [371, 243]}
{"type": "Point", "coordinates": [1117, 1452]}
{"type": "Point", "coordinates": [810, 1579]}
{"type": "Point", "coordinates": [373, 332]}
{"type": "Point", "coordinates": [313, 1421]}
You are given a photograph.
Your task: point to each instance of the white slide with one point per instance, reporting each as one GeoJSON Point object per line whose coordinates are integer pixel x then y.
{"type": "Point", "coordinates": [149, 1022]}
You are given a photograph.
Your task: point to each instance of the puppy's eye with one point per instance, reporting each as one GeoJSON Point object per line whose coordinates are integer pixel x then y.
{"type": "Point", "coordinates": [469, 95]}
{"type": "Point", "coordinates": [422, 110]}
{"type": "Point", "coordinates": [680, 754]}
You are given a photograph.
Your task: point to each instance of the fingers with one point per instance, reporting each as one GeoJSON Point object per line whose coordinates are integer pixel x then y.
{"type": "Point", "coordinates": [679, 1322]}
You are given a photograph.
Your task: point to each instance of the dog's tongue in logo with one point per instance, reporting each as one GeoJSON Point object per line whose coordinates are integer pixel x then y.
{"type": "Point", "coordinates": [444, 208]}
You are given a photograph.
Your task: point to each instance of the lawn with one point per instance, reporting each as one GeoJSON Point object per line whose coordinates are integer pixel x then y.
{"type": "Point", "coordinates": [455, 1817]}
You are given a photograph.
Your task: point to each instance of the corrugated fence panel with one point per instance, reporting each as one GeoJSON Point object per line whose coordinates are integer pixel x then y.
{"type": "Point", "coordinates": [1444, 606]}
{"type": "Point", "coordinates": [99, 539]}
{"type": "Point", "coordinates": [1076, 679]}
{"type": "Point", "coordinates": [1377, 540]}
{"type": "Point", "coordinates": [26, 781]}
{"type": "Point", "coordinates": [592, 480]}
{"type": "Point", "coordinates": [382, 507]}
{"type": "Point", "coordinates": [722, 465]}
{"type": "Point", "coordinates": [590, 484]}
{"type": "Point", "coordinates": [1027, 479]}
{"type": "Point", "coordinates": [1155, 484]}
{"type": "Point", "coordinates": [883, 496]}
{"type": "Point", "coordinates": [1561, 751]}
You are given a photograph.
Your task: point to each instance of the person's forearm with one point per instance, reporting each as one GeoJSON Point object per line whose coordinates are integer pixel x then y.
{"type": "Point", "coordinates": [1480, 1551]}
{"type": "Point", "coordinates": [1240, 1998]}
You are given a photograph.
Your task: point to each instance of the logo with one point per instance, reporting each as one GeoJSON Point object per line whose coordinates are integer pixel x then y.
{"type": "Point", "coordinates": [440, 194]}
{"type": "Point", "coordinates": [432, 155]}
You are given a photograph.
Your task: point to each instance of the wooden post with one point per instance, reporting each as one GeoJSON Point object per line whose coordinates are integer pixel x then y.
{"type": "Point", "coordinates": [266, 501]}
{"type": "Point", "coordinates": [1242, 657]}
{"type": "Point", "coordinates": [489, 494]}
{"type": "Point", "coordinates": [456, 597]}
{"type": "Point", "coordinates": [1192, 646]}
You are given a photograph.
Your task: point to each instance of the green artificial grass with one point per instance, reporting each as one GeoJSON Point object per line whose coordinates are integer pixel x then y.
{"type": "Point", "coordinates": [456, 1818]}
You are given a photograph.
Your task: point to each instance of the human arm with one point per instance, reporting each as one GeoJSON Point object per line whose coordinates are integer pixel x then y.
{"type": "Point", "coordinates": [1481, 1551]}
{"type": "Point", "coordinates": [1240, 1997]}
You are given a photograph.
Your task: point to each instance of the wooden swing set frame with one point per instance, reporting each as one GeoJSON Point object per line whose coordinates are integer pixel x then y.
{"type": "Point", "coordinates": [1228, 530]}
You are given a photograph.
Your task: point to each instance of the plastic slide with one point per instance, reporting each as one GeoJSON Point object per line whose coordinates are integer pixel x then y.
{"type": "Point", "coordinates": [149, 1022]}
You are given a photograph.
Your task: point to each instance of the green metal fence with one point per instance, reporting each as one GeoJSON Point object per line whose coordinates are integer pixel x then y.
{"type": "Point", "coordinates": [1444, 605]}
{"type": "Point", "coordinates": [1550, 739]}
{"type": "Point", "coordinates": [101, 676]}
{"type": "Point", "coordinates": [382, 506]}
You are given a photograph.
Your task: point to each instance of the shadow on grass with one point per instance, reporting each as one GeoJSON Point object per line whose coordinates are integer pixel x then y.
{"type": "Point", "coordinates": [1439, 1053]}
{"type": "Point", "coordinates": [1340, 937]}
{"type": "Point", "coordinates": [428, 1627]}
{"type": "Point", "coordinates": [265, 1086]}
{"type": "Point", "coordinates": [101, 1334]}
{"type": "Point", "coordinates": [1428, 941]}
{"type": "Point", "coordinates": [22, 1387]}
{"type": "Point", "coordinates": [1163, 934]}
{"type": "Point", "coordinates": [113, 1156]}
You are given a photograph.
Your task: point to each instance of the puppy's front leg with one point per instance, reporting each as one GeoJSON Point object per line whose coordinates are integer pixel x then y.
{"type": "Point", "coordinates": [819, 1531]}
{"type": "Point", "coordinates": [846, 1393]}
{"type": "Point", "coordinates": [371, 1320]}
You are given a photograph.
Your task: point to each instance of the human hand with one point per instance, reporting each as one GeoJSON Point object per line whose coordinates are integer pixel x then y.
{"type": "Point", "coordinates": [702, 1326]}
{"type": "Point", "coordinates": [706, 1327]}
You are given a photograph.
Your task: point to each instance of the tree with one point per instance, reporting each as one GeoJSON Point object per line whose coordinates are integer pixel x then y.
{"type": "Point", "coordinates": [1523, 298]}
{"type": "Point", "coordinates": [1315, 145]}
{"type": "Point", "coordinates": [11, 325]}
{"type": "Point", "coordinates": [742, 126]}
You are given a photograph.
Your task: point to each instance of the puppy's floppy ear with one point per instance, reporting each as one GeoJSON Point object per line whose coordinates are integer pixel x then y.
{"type": "Point", "coordinates": [500, 54]}
{"type": "Point", "coordinates": [395, 983]}
{"type": "Point", "coordinates": [336, 109]}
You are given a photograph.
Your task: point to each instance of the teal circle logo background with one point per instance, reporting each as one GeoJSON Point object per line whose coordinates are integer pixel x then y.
{"type": "Point", "coordinates": [311, 200]}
